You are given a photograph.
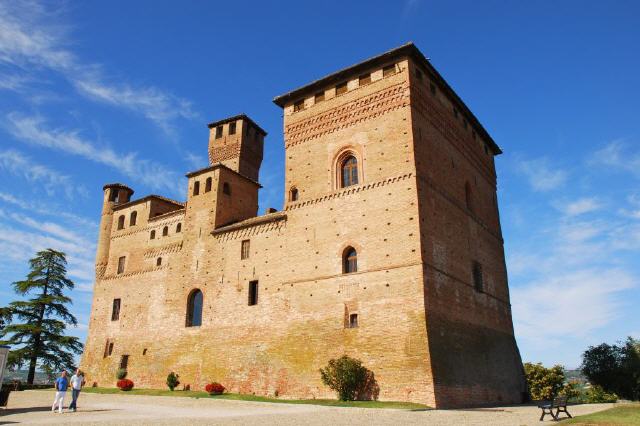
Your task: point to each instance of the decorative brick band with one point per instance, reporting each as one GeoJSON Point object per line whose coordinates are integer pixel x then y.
{"type": "Point", "coordinates": [250, 230]}
{"type": "Point", "coordinates": [348, 191]}
{"type": "Point", "coordinates": [172, 216]}
{"type": "Point", "coordinates": [157, 251]}
{"type": "Point", "coordinates": [225, 152]}
{"type": "Point", "coordinates": [347, 115]}
{"type": "Point", "coordinates": [133, 273]}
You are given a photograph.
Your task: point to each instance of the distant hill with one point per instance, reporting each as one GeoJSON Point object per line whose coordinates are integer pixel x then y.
{"type": "Point", "coordinates": [21, 375]}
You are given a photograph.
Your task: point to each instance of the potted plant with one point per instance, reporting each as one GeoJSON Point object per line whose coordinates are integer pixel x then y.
{"type": "Point", "coordinates": [125, 384]}
{"type": "Point", "coordinates": [214, 388]}
{"type": "Point", "coordinates": [172, 381]}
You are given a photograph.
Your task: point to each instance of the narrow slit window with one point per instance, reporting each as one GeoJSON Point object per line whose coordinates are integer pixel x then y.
{"type": "Point", "coordinates": [244, 251]}
{"type": "Point", "coordinates": [159, 261]}
{"type": "Point", "coordinates": [349, 260]}
{"type": "Point", "coordinates": [115, 310]}
{"type": "Point", "coordinates": [218, 132]}
{"type": "Point", "coordinates": [121, 222]}
{"type": "Point", "coordinates": [110, 351]}
{"type": "Point", "coordinates": [121, 261]}
{"type": "Point", "coordinates": [353, 321]}
{"type": "Point", "coordinates": [207, 185]}
{"type": "Point", "coordinates": [152, 235]}
{"type": "Point", "coordinates": [178, 228]}
{"type": "Point", "coordinates": [253, 293]}
{"type": "Point", "coordinates": [124, 362]}
{"type": "Point", "coordinates": [165, 231]}
{"type": "Point", "coordinates": [196, 188]}
{"type": "Point", "coordinates": [133, 218]}
{"type": "Point", "coordinates": [194, 309]}
{"type": "Point", "coordinates": [293, 194]}
{"type": "Point", "coordinates": [232, 128]}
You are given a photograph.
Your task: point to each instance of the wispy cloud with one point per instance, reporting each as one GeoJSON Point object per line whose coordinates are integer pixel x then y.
{"type": "Point", "coordinates": [34, 130]}
{"type": "Point", "coordinates": [541, 175]}
{"type": "Point", "coordinates": [618, 157]}
{"type": "Point", "coordinates": [30, 38]}
{"type": "Point", "coordinates": [47, 210]}
{"type": "Point", "coordinates": [580, 206]}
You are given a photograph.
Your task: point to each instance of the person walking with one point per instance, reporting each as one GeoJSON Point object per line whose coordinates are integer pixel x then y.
{"type": "Point", "coordinates": [61, 385]}
{"type": "Point", "coordinates": [77, 381]}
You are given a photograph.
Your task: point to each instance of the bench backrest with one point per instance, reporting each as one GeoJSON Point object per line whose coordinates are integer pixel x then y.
{"type": "Point", "coordinates": [560, 401]}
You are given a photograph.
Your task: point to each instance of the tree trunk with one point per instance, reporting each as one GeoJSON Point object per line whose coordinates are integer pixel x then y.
{"type": "Point", "coordinates": [36, 338]}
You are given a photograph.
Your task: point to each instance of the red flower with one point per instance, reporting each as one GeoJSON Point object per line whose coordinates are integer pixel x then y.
{"type": "Point", "coordinates": [125, 384]}
{"type": "Point", "coordinates": [214, 388]}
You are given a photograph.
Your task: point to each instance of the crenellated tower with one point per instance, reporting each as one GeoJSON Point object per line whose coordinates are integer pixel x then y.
{"type": "Point", "coordinates": [114, 195]}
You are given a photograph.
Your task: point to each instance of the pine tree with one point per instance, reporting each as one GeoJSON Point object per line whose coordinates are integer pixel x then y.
{"type": "Point", "coordinates": [38, 324]}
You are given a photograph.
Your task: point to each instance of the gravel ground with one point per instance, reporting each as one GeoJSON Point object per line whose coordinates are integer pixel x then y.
{"type": "Point", "coordinates": [34, 407]}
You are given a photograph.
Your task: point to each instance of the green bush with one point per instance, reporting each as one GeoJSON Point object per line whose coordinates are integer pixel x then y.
{"type": "Point", "coordinates": [595, 394]}
{"type": "Point", "coordinates": [350, 379]}
{"type": "Point", "coordinates": [544, 383]}
{"type": "Point", "coordinates": [121, 374]}
{"type": "Point", "coordinates": [172, 380]}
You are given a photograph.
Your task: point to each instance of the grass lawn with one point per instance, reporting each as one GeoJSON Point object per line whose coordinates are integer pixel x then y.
{"type": "Point", "coordinates": [242, 397]}
{"type": "Point", "coordinates": [627, 414]}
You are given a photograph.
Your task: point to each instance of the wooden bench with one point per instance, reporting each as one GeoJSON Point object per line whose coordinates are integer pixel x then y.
{"type": "Point", "coordinates": [559, 403]}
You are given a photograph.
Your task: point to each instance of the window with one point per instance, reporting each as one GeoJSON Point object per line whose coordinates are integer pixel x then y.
{"type": "Point", "coordinates": [113, 195]}
{"type": "Point", "coordinates": [232, 128]}
{"type": "Point", "coordinates": [194, 309]}
{"type": "Point", "coordinates": [207, 185]}
{"type": "Point", "coordinates": [124, 362]}
{"type": "Point", "coordinates": [121, 222]}
{"type": "Point", "coordinates": [341, 88]}
{"type": "Point", "coordinates": [115, 311]}
{"type": "Point", "coordinates": [298, 106]}
{"type": "Point", "coordinates": [349, 260]}
{"type": "Point", "coordinates": [364, 79]}
{"type": "Point", "coordinates": [467, 196]}
{"type": "Point", "coordinates": [353, 321]}
{"type": "Point", "coordinates": [319, 97]}
{"type": "Point", "coordinates": [110, 350]}
{"type": "Point", "coordinates": [349, 171]}
{"type": "Point", "coordinates": [178, 228]}
{"type": "Point", "coordinates": [432, 88]}
{"type": "Point", "coordinates": [196, 188]}
{"type": "Point", "coordinates": [152, 235]}
{"type": "Point", "coordinates": [293, 194]}
{"type": "Point", "coordinates": [218, 132]}
{"type": "Point", "coordinates": [165, 231]}
{"type": "Point", "coordinates": [253, 293]}
{"type": "Point", "coordinates": [121, 261]}
{"type": "Point", "coordinates": [106, 349]}
{"type": "Point", "coordinates": [244, 251]}
{"type": "Point", "coordinates": [159, 261]}
{"type": "Point", "coordinates": [133, 218]}
{"type": "Point", "coordinates": [226, 188]}
{"type": "Point", "coordinates": [389, 70]}
{"type": "Point", "coordinates": [477, 277]}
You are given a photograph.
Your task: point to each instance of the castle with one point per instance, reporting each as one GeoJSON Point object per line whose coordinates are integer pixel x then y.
{"type": "Point", "coordinates": [388, 249]}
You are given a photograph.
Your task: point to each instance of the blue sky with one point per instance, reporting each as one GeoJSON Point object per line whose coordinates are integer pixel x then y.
{"type": "Point", "coordinates": [95, 92]}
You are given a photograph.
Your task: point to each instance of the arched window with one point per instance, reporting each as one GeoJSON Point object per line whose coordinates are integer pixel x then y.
{"type": "Point", "coordinates": [467, 196]}
{"type": "Point", "coordinates": [133, 218]}
{"type": "Point", "coordinates": [293, 194]}
{"type": "Point", "coordinates": [196, 188]}
{"type": "Point", "coordinates": [194, 309]}
{"type": "Point", "coordinates": [159, 261]}
{"type": "Point", "coordinates": [165, 231]}
{"type": "Point", "coordinates": [207, 185]}
{"type": "Point", "coordinates": [349, 260]}
{"type": "Point", "coordinates": [152, 235]}
{"type": "Point", "coordinates": [349, 171]}
{"type": "Point", "coordinates": [121, 222]}
{"type": "Point", "coordinates": [178, 228]}
{"type": "Point", "coordinates": [226, 188]}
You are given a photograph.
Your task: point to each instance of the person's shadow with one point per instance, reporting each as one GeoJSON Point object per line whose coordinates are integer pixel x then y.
{"type": "Point", "coordinates": [8, 411]}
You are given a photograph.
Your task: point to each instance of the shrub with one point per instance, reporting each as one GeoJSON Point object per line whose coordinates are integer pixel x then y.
{"type": "Point", "coordinates": [125, 384]}
{"type": "Point", "coordinates": [595, 394]}
{"type": "Point", "coordinates": [121, 374]}
{"type": "Point", "coordinates": [214, 388]}
{"type": "Point", "coordinates": [350, 379]}
{"type": "Point", "coordinates": [172, 380]}
{"type": "Point", "coordinates": [544, 383]}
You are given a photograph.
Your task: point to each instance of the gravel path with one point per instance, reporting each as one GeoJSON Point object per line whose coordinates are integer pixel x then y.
{"type": "Point", "coordinates": [34, 407]}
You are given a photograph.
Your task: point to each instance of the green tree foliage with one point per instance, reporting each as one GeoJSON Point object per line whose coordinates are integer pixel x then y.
{"type": "Point", "coordinates": [596, 395]}
{"type": "Point", "coordinates": [544, 383]}
{"type": "Point", "coordinates": [350, 379]}
{"type": "Point", "coordinates": [38, 324]}
{"type": "Point", "coordinates": [615, 368]}
{"type": "Point", "coordinates": [172, 380]}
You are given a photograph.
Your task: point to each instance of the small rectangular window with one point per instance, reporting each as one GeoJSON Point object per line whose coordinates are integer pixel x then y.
{"type": "Point", "coordinates": [364, 79]}
{"type": "Point", "coordinates": [121, 261]}
{"type": "Point", "coordinates": [244, 253]}
{"type": "Point", "coordinates": [218, 132]}
{"type": "Point", "coordinates": [478, 283]}
{"type": "Point", "coordinates": [124, 362]}
{"type": "Point", "coordinates": [106, 349]}
{"type": "Point", "coordinates": [341, 88]}
{"type": "Point", "coordinates": [319, 97]}
{"type": "Point", "coordinates": [389, 70]}
{"type": "Point", "coordinates": [353, 321]}
{"type": "Point", "coordinates": [115, 311]}
{"type": "Point", "coordinates": [232, 128]}
{"type": "Point", "coordinates": [298, 106]}
{"type": "Point", "coordinates": [110, 351]}
{"type": "Point", "coordinates": [253, 293]}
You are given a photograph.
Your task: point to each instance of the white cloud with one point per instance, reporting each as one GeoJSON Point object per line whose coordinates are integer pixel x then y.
{"type": "Point", "coordinates": [580, 206]}
{"type": "Point", "coordinates": [542, 177]}
{"type": "Point", "coordinates": [48, 210]}
{"type": "Point", "coordinates": [29, 38]}
{"type": "Point", "coordinates": [617, 156]}
{"type": "Point", "coordinates": [34, 131]}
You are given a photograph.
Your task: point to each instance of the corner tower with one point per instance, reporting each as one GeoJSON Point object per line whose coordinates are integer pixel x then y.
{"type": "Point", "coordinates": [237, 142]}
{"type": "Point", "coordinates": [114, 195]}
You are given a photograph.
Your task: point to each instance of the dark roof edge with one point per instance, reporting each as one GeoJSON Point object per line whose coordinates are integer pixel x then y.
{"type": "Point", "coordinates": [117, 185]}
{"type": "Point", "coordinates": [410, 50]}
{"type": "Point", "coordinates": [148, 197]}
{"type": "Point", "coordinates": [220, 166]}
{"type": "Point", "coordinates": [234, 118]}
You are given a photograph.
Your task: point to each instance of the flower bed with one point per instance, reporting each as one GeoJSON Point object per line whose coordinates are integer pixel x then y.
{"type": "Point", "coordinates": [214, 388]}
{"type": "Point", "coordinates": [125, 384]}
